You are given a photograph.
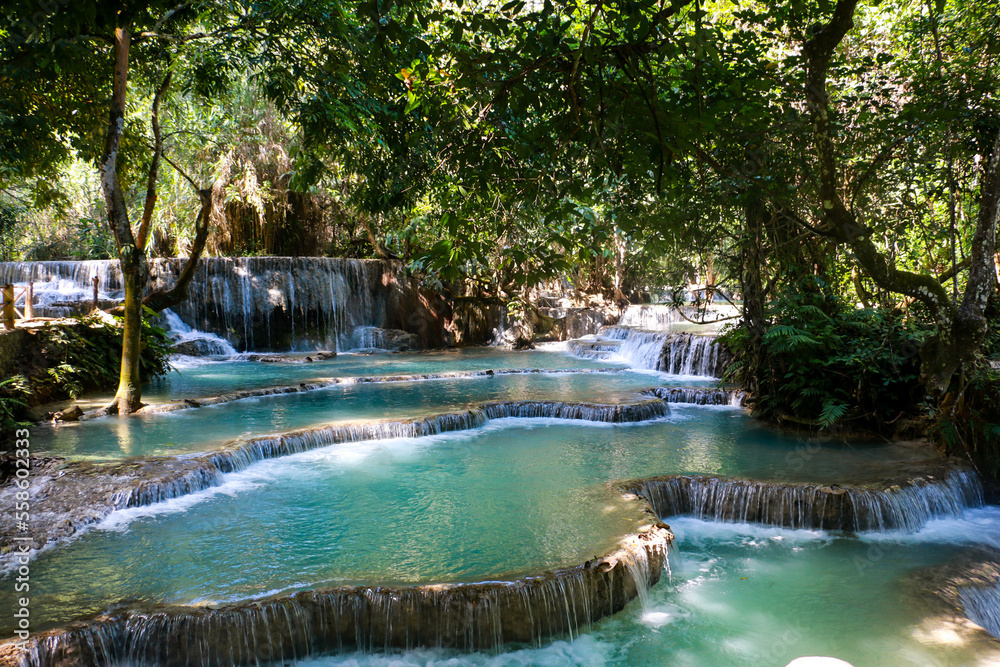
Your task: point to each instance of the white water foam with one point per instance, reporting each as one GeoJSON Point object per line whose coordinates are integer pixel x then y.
{"type": "Point", "coordinates": [699, 533]}
{"type": "Point", "coordinates": [236, 483]}
{"type": "Point", "coordinates": [585, 651]}
{"type": "Point", "coordinates": [181, 333]}
{"type": "Point", "coordinates": [980, 525]}
{"type": "Point", "coordinates": [316, 462]}
{"type": "Point", "coordinates": [312, 463]}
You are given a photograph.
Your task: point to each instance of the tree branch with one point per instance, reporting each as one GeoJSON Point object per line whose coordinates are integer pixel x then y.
{"type": "Point", "coordinates": [110, 186]}
{"type": "Point", "coordinates": [154, 167]}
{"type": "Point", "coordinates": [182, 173]}
{"type": "Point", "coordinates": [818, 51]}
{"type": "Point", "coordinates": [167, 16]}
{"type": "Point", "coordinates": [163, 299]}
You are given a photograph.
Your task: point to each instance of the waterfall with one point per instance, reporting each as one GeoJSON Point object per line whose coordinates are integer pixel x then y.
{"type": "Point", "coordinates": [600, 349]}
{"type": "Point", "coordinates": [673, 353]}
{"type": "Point", "coordinates": [243, 453]}
{"type": "Point", "coordinates": [61, 286]}
{"type": "Point", "coordinates": [384, 340]}
{"type": "Point", "coordinates": [627, 412]}
{"type": "Point", "coordinates": [480, 616]}
{"type": "Point", "coordinates": [982, 606]}
{"type": "Point", "coordinates": [652, 316]}
{"type": "Point", "coordinates": [691, 354]}
{"type": "Point", "coordinates": [195, 343]}
{"type": "Point", "coordinates": [370, 338]}
{"type": "Point", "coordinates": [281, 303]}
{"type": "Point", "coordinates": [905, 506]}
{"type": "Point", "coordinates": [697, 396]}
{"type": "Point", "coordinates": [266, 303]}
{"type": "Point", "coordinates": [641, 349]}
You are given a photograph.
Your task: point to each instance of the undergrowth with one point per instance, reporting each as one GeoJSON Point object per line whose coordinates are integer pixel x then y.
{"type": "Point", "coordinates": [825, 362]}
{"type": "Point", "coordinates": [67, 360]}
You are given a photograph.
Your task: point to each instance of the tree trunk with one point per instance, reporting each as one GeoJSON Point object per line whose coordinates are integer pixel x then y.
{"type": "Point", "coordinates": [128, 397]}
{"type": "Point", "coordinates": [160, 299]}
{"type": "Point", "coordinates": [859, 287]}
{"type": "Point", "coordinates": [756, 215]}
{"type": "Point", "coordinates": [960, 328]}
{"type": "Point", "coordinates": [131, 257]}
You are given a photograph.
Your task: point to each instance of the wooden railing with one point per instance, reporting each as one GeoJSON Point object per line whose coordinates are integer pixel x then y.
{"type": "Point", "coordinates": [9, 313]}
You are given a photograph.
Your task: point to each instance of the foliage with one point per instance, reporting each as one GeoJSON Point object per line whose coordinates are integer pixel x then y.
{"type": "Point", "coordinates": [68, 360]}
{"type": "Point", "coordinates": [972, 425]}
{"type": "Point", "coordinates": [621, 146]}
{"type": "Point", "coordinates": [13, 408]}
{"type": "Point", "coordinates": [9, 222]}
{"type": "Point", "coordinates": [830, 363]}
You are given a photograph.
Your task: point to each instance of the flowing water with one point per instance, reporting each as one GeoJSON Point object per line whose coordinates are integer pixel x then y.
{"type": "Point", "coordinates": [256, 303]}
{"type": "Point", "coordinates": [519, 479]}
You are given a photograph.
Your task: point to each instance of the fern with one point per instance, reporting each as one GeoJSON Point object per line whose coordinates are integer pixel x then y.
{"type": "Point", "coordinates": [785, 337]}
{"type": "Point", "coordinates": [832, 411]}
{"type": "Point", "coordinates": [13, 409]}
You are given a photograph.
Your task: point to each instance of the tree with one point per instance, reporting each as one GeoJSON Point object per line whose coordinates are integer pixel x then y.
{"type": "Point", "coordinates": [961, 325]}
{"type": "Point", "coordinates": [721, 97]}
{"type": "Point", "coordinates": [59, 60]}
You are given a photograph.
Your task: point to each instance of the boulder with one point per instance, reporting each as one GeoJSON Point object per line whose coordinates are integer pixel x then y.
{"type": "Point", "coordinates": [72, 414]}
{"type": "Point", "coordinates": [201, 347]}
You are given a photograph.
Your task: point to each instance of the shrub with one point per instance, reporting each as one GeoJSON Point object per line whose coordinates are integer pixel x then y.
{"type": "Point", "coordinates": [824, 362]}
{"type": "Point", "coordinates": [13, 408]}
{"type": "Point", "coordinates": [67, 360]}
{"type": "Point", "coordinates": [971, 424]}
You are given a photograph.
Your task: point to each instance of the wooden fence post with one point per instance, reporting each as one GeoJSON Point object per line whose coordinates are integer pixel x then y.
{"type": "Point", "coordinates": [8, 306]}
{"type": "Point", "coordinates": [29, 302]}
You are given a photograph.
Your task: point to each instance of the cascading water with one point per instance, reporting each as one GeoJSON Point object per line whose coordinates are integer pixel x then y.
{"type": "Point", "coordinates": [495, 615]}
{"type": "Point", "coordinates": [689, 354]}
{"type": "Point", "coordinates": [674, 353]}
{"type": "Point", "coordinates": [59, 287]}
{"type": "Point", "coordinates": [489, 615]}
{"type": "Point", "coordinates": [982, 606]}
{"type": "Point", "coordinates": [255, 303]}
{"type": "Point", "coordinates": [697, 396]}
{"type": "Point", "coordinates": [187, 341]}
{"type": "Point", "coordinates": [243, 454]}
{"type": "Point", "coordinates": [654, 316]}
{"type": "Point", "coordinates": [663, 316]}
{"type": "Point", "coordinates": [281, 303]}
{"type": "Point", "coordinates": [901, 507]}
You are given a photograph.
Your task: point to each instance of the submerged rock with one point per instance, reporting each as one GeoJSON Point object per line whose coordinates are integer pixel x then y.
{"type": "Point", "coordinates": [961, 601]}
{"type": "Point", "coordinates": [69, 496]}
{"type": "Point", "coordinates": [202, 347]}
{"type": "Point", "coordinates": [393, 340]}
